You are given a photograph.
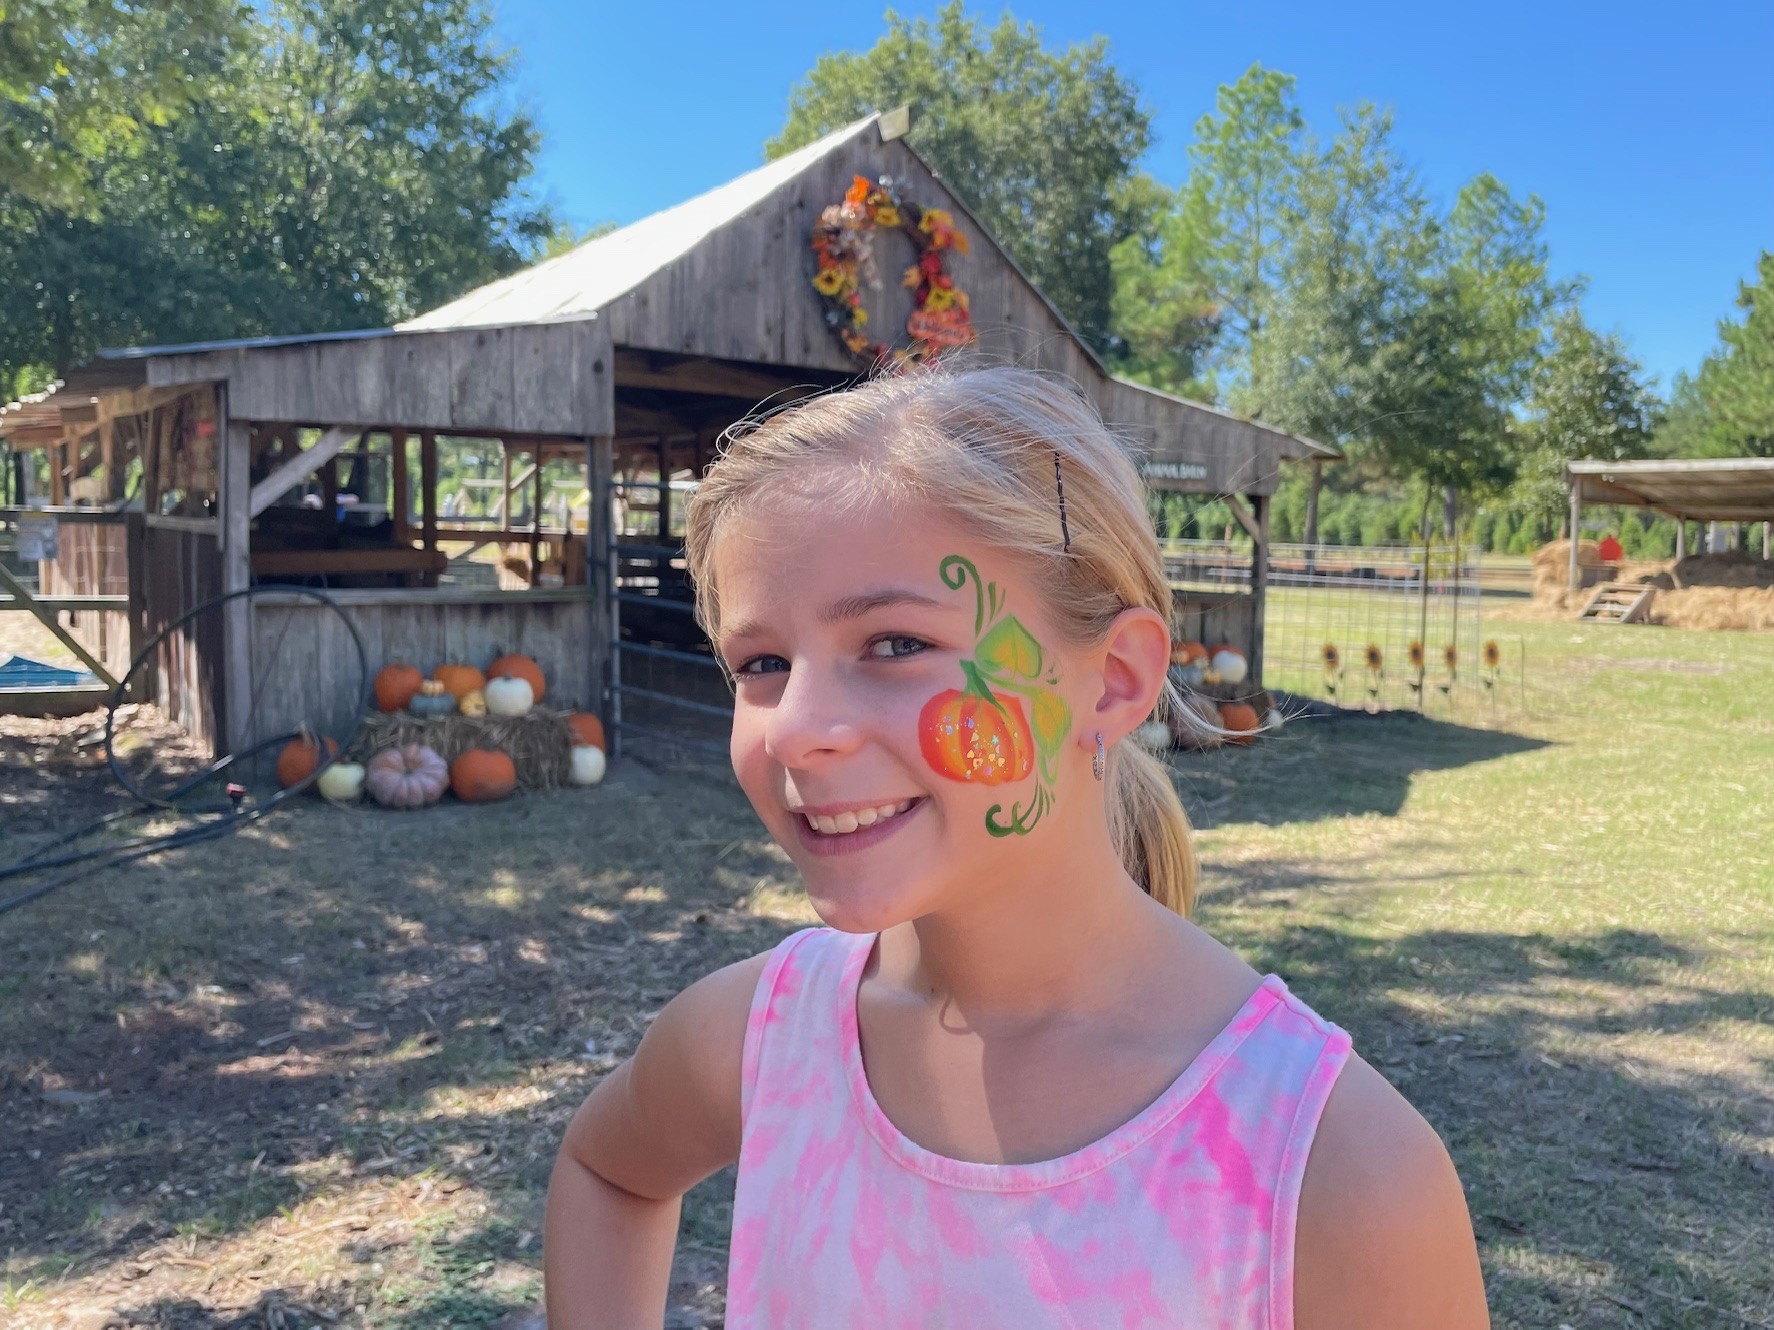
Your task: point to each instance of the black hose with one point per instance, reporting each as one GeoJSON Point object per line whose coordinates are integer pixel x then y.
{"type": "Point", "coordinates": [230, 817]}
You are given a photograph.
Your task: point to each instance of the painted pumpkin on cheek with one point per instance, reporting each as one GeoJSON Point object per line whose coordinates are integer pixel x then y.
{"type": "Point", "coordinates": [969, 735]}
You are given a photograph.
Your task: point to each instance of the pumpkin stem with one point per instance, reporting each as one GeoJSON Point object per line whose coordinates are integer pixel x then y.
{"type": "Point", "coordinates": [977, 685]}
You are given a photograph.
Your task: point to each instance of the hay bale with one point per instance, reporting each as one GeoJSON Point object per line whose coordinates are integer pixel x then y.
{"type": "Point", "coordinates": [1737, 609]}
{"type": "Point", "coordinates": [538, 742]}
{"type": "Point", "coordinates": [1195, 722]}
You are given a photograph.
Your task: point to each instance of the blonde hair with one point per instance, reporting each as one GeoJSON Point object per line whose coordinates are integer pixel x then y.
{"type": "Point", "coordinates": [978, 446]}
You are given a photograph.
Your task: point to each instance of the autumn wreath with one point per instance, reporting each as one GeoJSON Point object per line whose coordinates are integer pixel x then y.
{"type": "Point", "coordinates": [844, 248]}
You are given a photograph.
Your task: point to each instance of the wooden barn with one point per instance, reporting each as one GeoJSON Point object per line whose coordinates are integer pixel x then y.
{"type": "Point", "coordinates": [507, 472]}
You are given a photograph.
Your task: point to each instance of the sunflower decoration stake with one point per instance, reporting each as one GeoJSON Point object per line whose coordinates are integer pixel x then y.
{"type": "Point", "coordinates": [1493, 666]}
{"type": "Point", "coordinates": [1333, 669]}
{"type": "Point", "coordinates": [1376, 674]}
{"type": "Point", "coordinates": [1450, 657]}
{"type": "Point", "coordinates": [1415, 653]}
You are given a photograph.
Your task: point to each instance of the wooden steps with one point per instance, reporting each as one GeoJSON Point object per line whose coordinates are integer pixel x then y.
{"type": "Point", "coordinates": [1619, 602]}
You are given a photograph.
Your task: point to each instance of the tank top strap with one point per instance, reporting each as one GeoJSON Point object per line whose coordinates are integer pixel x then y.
{"type": "Point", "coordinates": [792, 1031]}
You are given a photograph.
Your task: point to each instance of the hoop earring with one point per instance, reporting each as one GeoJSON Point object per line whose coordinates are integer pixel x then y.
{"type": "Point", "coordinates": [1099, 765]}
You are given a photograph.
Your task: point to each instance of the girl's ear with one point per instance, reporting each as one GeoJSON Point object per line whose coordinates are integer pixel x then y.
{"type": "Point", "coordinates": [1136, 654]}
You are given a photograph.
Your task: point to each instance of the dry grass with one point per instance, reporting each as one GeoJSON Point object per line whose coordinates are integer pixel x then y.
{"type": "Point", "coordinates": [1731, 592]}
{"type": "Point", "coordinates": [315, 1075]}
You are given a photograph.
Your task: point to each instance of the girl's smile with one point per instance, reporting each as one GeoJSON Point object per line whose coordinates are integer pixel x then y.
{"type": "Point", "coordinates": [853, 829]}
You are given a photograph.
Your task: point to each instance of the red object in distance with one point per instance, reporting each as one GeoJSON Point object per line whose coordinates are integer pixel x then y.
{"type": "Point", "coordinates": [1610, 550]}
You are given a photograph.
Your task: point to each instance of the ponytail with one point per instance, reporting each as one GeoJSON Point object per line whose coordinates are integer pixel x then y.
{"type": "Point", "coordinates": [1149, 828]}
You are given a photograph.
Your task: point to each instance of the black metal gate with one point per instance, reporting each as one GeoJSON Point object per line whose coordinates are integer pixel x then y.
{"type": "Point", "coordinates": [668, 693]}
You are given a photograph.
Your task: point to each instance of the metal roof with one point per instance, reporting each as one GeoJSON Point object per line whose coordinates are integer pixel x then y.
{"type": "Point", "coordinates": [585, 279]}
{"type": "Point", "coordinates": [1712, 489]}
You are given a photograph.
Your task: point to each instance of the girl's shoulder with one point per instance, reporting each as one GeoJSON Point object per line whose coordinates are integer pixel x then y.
{"type": "Point", "coordinates": [1383, 1236]}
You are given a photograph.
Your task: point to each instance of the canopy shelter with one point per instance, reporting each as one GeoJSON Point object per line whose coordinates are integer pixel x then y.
{"type": "Point", "coordinates": [627, 358]}
{"type": "Point", "coordinates": [1711, 489]}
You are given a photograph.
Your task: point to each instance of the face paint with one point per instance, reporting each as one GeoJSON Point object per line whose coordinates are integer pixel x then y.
{"type": "Point", "coordinates": [981, 732]}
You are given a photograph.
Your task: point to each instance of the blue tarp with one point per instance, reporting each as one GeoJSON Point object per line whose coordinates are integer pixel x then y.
{"type": "Point", "coordinates": [23, 672]}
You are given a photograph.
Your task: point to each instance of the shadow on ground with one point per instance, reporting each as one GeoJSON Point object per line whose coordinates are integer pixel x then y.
{"type": "Point", "coordinates": [192, 1048]}
{"type": "Point", "coordinates": [1311, 770]}
{"type": "Point", "coordinates": [1605, 1188]}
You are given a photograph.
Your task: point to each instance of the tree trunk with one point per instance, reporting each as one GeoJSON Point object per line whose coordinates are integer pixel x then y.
{"type": "Point", "coordinates": [1450, 511]}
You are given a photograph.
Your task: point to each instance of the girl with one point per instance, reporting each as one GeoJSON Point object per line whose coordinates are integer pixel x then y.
{"type": "Point", "coordinates": [1011, 1085]}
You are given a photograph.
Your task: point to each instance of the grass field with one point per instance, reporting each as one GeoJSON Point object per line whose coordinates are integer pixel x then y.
{"type": "Point", "coordinates": [314, 1075]}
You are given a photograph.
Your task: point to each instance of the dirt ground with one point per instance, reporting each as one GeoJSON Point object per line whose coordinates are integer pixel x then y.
{"type": "Point", "coordinates": [315, 1074]}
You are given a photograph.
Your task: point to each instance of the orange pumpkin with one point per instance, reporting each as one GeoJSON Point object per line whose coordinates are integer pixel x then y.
{"type": "Point", "coordinates": [482, 775]}
{"type": "Point", "coordinates": [1242, 720]}
{"type": "Point", "coordinates": [299, 758]}
{"type": "Point", "coordinates": [396, 685]}
{"type": "Point", "coordinates": [459, 680]}
{"type": "Point", "coordinates": [514, 666]}
{"type": "Point", "coordinates": [1187, 653]}
{"type": "Point", "coordinates": [971, 735]}
{"type": "Point", "coordinates": [587, 729]}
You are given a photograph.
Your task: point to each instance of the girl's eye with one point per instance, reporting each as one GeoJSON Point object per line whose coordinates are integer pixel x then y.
{"type": "Point", "coordinates": [762, 665]}
{"type": "Point", "coordinates": [891, 648]}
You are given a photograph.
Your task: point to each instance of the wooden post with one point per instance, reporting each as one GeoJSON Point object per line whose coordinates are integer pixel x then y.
{"type": "Point", "coordinates": [1681, 539]}
{"type": "Point", "coordinates": [505, 484]}
{"type": "Point", "coordinates": [1259, 587]}
{"type": "Point", "coordinates": [600, 575]}
{"type": "Point", "coordinates": [398, 499]}
{"type": "Point", "coordinates": [428, 496]}
{"type": "Point", "coordinates": [234, 492]}
{"type": "Point", "coordinates": [1767, 543]}
{"type": "Point", "coordinates": [1576, 516]}
{"type": "Point", "coordinates": [57, 460]}
{"type": "Point", "coordinates": [535, 514]}
{"type": "Point", "coordinates": [664, 490]}
{"type": "Point", "coordinates": [108, 457]}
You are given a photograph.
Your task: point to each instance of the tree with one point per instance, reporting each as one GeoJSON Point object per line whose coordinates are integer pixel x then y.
{"type": "Point", "coordinates": [1590, 400]}
{"type": "Point", "coordinates": [1194, 291]}
{"type": "Point", "coordinates": [79, 83]}
{"type": "Point", "coordinates": [1727, 408]}
{"type": "Point", "coordinates": [1040, 144]}
{"type": "Point", "coordinates": [345, 168]}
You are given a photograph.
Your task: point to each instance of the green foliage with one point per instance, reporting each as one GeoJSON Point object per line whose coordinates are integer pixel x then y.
{"type": "Point", "coordinates": [85, 81]}
{"type": "Point", "coordinates": [1727, 408]}
{"type": "Point", "coordinates": [1041, 144]}
{"type": "Point", "coordinates": [345, 165]}
{"type": "Point", "coordinates": [1589, 400]}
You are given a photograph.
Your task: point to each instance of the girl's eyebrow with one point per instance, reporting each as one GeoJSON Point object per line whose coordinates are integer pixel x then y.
{"type": "Point", "coordinates": [850, 607]}
{"type": "Point", "coordinates": [854, 607]}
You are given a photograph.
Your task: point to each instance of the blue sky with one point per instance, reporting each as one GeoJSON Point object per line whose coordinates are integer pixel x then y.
{"type": "Point", "coordinates": [1647, 129]}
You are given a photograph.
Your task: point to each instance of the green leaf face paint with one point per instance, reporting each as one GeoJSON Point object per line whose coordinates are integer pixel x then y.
{"type": "Point", "coordinates": [1002, 725]}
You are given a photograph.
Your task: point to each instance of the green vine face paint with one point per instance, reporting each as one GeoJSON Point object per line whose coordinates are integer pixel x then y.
{"type": "Point", "coordinates": [981, 732]}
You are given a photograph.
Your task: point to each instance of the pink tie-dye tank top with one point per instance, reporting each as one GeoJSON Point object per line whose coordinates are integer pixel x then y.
{"type": "Point", "coordinates": [1181, 1217]}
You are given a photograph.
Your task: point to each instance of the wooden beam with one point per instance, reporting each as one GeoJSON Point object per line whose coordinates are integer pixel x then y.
{"type": "Point", "coordinates": [234, 498]}
{"type": "Point", "coordinates": [1243, 514]}
{"type": "Point", "coordinates": [536, 522]}
{"type": "Point", "coordinates": [428, 495]}
{"type": "Point", "coordinates": [1576, 530]}
{"type": "Point", "coordinates": [274, 486]}
{"type": "Point", "coordinates": [716, 378]}
{"type": "Point", "coordinates": [400, 497]}
{"type": "Point", "coordinates": [22, 598]}
{"type": "Point", "coordinates": [1259, 587]}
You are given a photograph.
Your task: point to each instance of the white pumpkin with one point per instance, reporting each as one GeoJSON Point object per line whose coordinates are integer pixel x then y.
{"type": "Point", "coordinates": [1154, 734]}
{"type": "Point", "coordinates": [1230, 666]}
{"type": "Point", "coordinates": [509, 697]}
{"type": "Point", "coordinates": [588, 764]}
{"type": "Point", "coordinates": [342, 782]}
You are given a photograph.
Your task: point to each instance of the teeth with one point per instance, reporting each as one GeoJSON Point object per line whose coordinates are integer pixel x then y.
{"type": "Point", "coordinates": [842, 824]}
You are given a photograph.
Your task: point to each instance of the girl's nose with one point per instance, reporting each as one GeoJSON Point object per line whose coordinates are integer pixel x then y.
{"type": "Point", "coordinates": [811, 722]}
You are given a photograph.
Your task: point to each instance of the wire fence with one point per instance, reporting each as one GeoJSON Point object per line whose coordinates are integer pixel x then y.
{"type": "Point", "coordinates": [1370, 627]}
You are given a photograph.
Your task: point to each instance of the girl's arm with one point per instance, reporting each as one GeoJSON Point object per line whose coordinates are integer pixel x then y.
{"type": "Point", "coordinates": [1384, 1241]}
{"type": "Point", "coordinates": [655, 1127]}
